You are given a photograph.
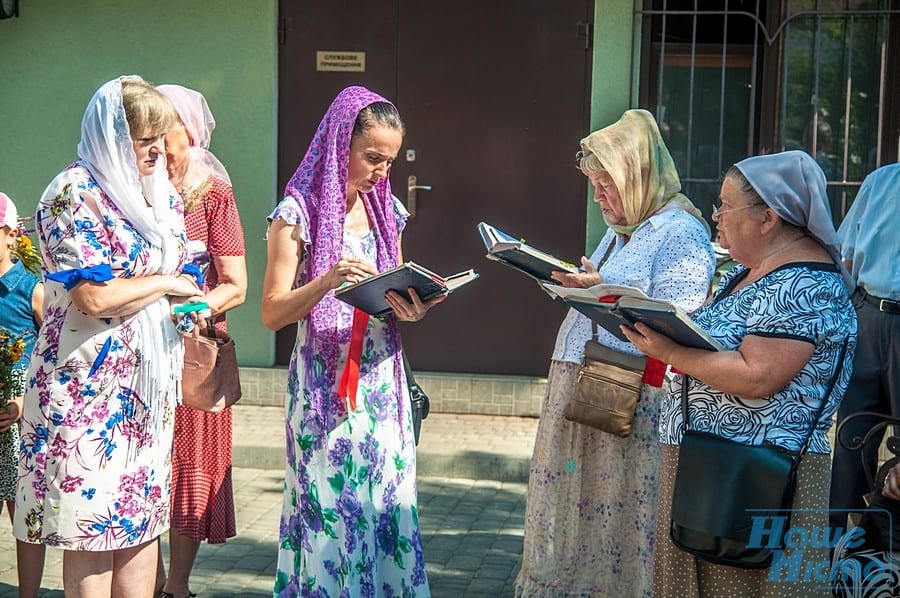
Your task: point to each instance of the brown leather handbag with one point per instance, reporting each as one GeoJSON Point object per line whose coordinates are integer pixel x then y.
{"type": "Point", "coordinates": [210, 380]}
{"type": "Point", "coordinates": [608, 389]}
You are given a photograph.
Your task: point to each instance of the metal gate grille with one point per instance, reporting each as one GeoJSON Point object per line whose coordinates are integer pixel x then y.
{"type": "Point", "coordinates": [757, 77]}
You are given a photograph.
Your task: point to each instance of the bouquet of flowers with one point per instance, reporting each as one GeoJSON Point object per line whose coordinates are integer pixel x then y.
{"type": "Point", "coordinates": [11, 349]}
{"type": "Point", "coordinates": [24, 250]}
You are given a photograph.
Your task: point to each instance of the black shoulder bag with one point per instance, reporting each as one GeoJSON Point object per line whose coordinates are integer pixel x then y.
{"type": "Point", "coordinates": [721, 485]}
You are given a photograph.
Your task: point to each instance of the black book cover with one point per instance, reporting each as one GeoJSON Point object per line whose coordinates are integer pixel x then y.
{"type": "Point", "coordinates": [368, 294]}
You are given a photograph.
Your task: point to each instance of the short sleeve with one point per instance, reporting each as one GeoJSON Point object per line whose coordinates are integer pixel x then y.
{"type": "Point", "coordinates": [70, 224]}
{"type": "Point", "coordinates": [400, 214]}
{"type": "Point", "coordinates": [794, 303]}
{"type": "Point", "coordinates": [226, 235]}
{"type": "Point", "coordinates": [289, 210]}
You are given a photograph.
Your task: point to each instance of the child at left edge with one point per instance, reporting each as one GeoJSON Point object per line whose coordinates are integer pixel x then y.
{"type": "Point", "coordinates": [21, 313]}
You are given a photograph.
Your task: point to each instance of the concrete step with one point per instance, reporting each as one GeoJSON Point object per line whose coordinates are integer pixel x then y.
{"type": "Point", "coordinates": [478, 447]}
{"type": "Point", "coordinates": [487, 394]}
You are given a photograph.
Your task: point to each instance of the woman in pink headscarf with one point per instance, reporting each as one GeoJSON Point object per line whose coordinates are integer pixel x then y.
{"type": "Point", "coordinates": [349, 520]}
{"type": "Point", "coordinates": [202, 496]}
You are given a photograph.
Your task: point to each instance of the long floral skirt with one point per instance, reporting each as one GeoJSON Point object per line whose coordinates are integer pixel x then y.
{"type": "Point", "coordinates": [591, 507]}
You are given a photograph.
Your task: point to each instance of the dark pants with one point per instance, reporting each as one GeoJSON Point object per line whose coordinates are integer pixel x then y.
{"type": "Point", "coordinates": [874, 386]}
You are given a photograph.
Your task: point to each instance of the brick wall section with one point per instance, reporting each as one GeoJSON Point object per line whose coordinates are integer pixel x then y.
{"type": "Point", "coordinates": [264, 386]}
{"type": "Point", "coordinates": [449, 393]}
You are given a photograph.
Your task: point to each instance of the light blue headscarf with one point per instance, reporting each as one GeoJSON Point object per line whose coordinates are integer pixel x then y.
{"type": "Point", "coordinates": [793, 185]}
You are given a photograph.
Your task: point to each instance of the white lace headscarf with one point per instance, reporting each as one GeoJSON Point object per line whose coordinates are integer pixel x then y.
{"type": "Point", "coordinates": [197, 119]}
{"type": "Point", "coordinates": [106, 150]}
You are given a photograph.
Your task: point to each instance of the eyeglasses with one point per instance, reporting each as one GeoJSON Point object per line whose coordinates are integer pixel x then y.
{"type": "Point", "coordinates": [717, 212]}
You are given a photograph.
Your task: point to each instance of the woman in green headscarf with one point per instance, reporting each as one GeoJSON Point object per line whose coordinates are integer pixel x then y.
{"type": "Point", "coordinates": [591, 495]}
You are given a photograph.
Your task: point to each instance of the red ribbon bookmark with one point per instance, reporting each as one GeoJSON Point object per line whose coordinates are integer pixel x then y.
{"type": "Point", "coordinates": [654, 372]}
{"type": "Point", "coordinates": [350, 377]}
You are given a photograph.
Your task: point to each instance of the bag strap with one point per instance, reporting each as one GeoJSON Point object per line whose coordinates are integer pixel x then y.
{"type": "Point", "coordinates": [815, 420]}
{"type": "Point", "coordinates": [612, 245]}
{"type": "Point", "coordinates": [606, 254]}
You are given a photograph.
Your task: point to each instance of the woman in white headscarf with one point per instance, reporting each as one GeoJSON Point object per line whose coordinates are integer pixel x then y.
{"type": "Point", "coordinates": [784, 315]}
{"type": "Point", "coordinates": [103, 382]}
{"type": "Point", "coordinates": [202, 496]}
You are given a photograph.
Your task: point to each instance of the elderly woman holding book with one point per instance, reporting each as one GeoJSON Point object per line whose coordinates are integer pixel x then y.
{"type": "Point", "coordinates": [785, 319]}
{"type": "Point", "coordinates": [591, 509]}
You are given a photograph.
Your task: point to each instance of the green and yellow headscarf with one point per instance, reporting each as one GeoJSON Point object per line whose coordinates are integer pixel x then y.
{"type": "Point", "coordinates": [632, 151]}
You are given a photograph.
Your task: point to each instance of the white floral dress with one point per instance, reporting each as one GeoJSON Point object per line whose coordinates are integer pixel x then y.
{"type": "Point", "coordinates": [95, 466]}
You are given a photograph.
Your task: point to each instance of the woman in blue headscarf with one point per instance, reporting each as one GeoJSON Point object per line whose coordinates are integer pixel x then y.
{"type": "Point", "coordinates": [784, 315]}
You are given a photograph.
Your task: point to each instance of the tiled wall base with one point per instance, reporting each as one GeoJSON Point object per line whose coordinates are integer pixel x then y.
{"type": "Point", "coordinates": [449, 393]}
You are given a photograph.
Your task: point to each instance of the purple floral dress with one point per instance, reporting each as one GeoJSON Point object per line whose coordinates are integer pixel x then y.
{"type": "Point", "coordinates": [349, 524]}
{"type": "Point", "coordinates": [95, 463]}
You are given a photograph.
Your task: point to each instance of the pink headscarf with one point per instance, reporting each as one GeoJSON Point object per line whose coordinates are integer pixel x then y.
{"type": "Point", "coordinates": [194, 113]}
{"type": "Point", "coordinates": [319, 187]}
{"type": "Point", "coordinates": [8, 215]}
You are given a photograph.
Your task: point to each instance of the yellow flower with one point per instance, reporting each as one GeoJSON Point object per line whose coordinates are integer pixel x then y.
{"type": "Point", "coordinates": [16, 350]}
{"type": "Point", "coordinates": [27, 254]}
{"type": "Point", "coordinates": [11, 350]}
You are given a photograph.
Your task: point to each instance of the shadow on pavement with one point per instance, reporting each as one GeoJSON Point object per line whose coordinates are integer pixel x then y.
{"type": "Point", "coordinates": [471, 535]}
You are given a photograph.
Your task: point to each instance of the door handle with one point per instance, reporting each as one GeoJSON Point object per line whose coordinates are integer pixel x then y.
{"type": "Point", "coordinates": [411, 188]}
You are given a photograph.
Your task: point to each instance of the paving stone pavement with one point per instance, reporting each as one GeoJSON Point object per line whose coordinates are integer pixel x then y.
{"type": "Point", "coordinates": [471, 527]}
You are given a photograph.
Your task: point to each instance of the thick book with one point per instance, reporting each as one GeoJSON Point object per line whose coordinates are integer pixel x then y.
{"type": "Point", "coordinates": [518, 254]}
{"type": "Point", "coordinates": [612, 305]}
{"type": "Point", "coordinates": [368, 294]}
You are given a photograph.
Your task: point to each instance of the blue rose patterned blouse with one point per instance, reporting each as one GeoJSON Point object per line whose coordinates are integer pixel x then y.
{"type": "Point", "coordinates": [804, 301]}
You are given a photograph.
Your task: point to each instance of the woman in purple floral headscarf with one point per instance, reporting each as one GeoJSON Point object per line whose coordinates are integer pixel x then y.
{"type": "Point", "coordinates": [349, 520]}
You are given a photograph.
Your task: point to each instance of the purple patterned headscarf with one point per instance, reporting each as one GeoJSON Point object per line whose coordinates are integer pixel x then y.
{"type": "Point", "coordinates": [319, 186]}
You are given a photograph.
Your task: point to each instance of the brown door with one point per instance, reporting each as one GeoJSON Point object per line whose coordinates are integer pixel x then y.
{"type": "Point", "coordinates": [495, 99]}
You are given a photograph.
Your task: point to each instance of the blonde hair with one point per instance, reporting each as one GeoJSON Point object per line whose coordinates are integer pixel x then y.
{"type": "Point", "coordinates": [148, 112]}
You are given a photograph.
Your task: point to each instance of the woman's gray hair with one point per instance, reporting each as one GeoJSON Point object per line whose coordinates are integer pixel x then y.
{"type": "Point", "coordinates": [589, 163]}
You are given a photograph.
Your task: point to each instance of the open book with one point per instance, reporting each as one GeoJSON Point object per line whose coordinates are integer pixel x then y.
{"type": "Point", "coordinates": [368, 294]}
{"type": "Point", "coordinates": [612, 305]}
{"type": "Point", "coordinates": [516, 253]}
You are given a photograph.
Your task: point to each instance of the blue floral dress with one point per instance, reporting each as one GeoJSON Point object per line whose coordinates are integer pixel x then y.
{"type": "Point", "coordinates": [349, 523]}
{"type": "Point", "coordinates": [95, 463]}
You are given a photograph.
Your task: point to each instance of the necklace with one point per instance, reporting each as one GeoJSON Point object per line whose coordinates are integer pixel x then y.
{"type": "Point", "coordinates": [194, 196]}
